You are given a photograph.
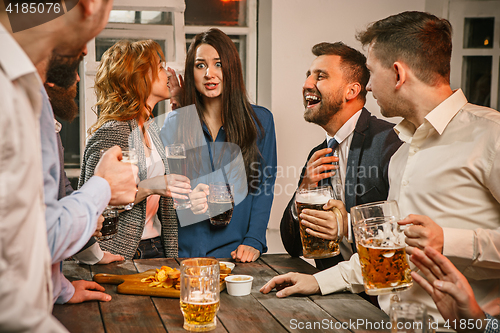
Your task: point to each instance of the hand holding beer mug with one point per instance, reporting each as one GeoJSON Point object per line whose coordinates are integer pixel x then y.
{"type": "Point", "coordinates": [200, 289]}
{"type": "Point", "coordinates": [176, 157]}
{"type": "Point", "coordinates": [220, 203]}
{"type": "Point", "coordinates": [315, 198]}
{"type": "Point", "coordinates": [128, 156]}
{"type": "Point", "coordinates": [110, 214]}
{"type": "Point", "coordinates": [381, 247]}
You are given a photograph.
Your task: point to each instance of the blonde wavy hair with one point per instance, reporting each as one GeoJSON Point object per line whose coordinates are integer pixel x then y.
{"type": "Point", "coordinates": [124, 79]}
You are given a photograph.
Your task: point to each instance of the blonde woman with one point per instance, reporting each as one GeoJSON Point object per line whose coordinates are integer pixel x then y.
{"type": "Point", "coordinates": [129, 82]}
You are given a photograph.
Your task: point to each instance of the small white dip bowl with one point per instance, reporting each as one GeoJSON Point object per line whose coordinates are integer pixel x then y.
{"type": "Point", "coordinates": [239, 285]}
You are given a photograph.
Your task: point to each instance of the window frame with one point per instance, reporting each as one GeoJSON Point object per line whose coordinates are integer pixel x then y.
{"type": "Point", "coordinates": [458, 12]}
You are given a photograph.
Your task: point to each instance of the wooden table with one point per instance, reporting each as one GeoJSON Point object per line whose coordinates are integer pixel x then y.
{"type": "Point", "coordinates": [342, 312]}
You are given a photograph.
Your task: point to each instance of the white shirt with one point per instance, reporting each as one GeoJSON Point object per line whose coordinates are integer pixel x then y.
{"type": "Point", "coordinates": [25, 263]}
{"type": "Point", "coordinates": [449, 170]}
{"type": "Point", "coordinates": [155, 166]}
{"type": "Point", "coordinates": [344, 137]}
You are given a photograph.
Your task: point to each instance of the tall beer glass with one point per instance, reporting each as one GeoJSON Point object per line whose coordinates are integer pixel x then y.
{"type": "Point", "coordinates": [200, 288]}
{"type": "Point", "coordinates": [315, 198]}
{"type": "Point", "coordinates": [176, 157]}
{"type": "Point", "coordinates": [381, 247]}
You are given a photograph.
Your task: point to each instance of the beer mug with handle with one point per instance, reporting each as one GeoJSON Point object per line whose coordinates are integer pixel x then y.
{"type": "Point", "coordinates": [381, 247]}
{"type": "Point", "coordinates": [315, 198]}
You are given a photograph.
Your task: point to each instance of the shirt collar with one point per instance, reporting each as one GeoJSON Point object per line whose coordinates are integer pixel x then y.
{"type": "Point", "coordinates": [346, 129]}
{"type": "Point", "coordinates": [439, 117]}
{"type": "Point", "coordinates": [13, 60]}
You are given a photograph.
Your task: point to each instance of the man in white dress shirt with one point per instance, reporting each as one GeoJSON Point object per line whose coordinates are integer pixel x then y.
{"type": "Point", "coordinates": [447, 170]}
{"type": "Point", "coordinates": [26, 291]}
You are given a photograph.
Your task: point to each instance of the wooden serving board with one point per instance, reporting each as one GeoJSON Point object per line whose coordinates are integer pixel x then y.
{"type": "Point", "coordinates": [132, 285]}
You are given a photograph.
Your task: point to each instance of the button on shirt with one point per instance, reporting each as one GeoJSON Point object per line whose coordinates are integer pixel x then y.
{"type": "Point", "coordinates": [25, 288]}
{"type": "Point", "coordinates": [449, 170]}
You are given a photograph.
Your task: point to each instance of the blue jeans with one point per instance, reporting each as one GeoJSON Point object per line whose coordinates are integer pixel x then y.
{"type": "Point", "coordinates": [150, 248]}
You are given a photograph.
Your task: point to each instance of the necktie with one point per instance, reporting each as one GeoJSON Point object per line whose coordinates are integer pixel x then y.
{"type": "Point", "coordinates": [332, 143]}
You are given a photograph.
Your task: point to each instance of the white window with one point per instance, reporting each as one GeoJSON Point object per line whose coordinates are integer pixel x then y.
{"type": "Point", "coordinates": [476, 50]}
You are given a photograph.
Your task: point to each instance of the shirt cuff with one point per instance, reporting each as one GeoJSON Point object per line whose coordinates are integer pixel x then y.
{"type": "Point", "coordinates": [330, 281]}
{"type": "Point", "coordinates": [67, 291]}
{"type": "Point", "coordinates": [91, 255]}
{"type": "Point", "coordinates": [255, 244]}
{"type": "Point", "coordinates": [100, 192]}
{"type": "Point", "coordinates": [459, 243]}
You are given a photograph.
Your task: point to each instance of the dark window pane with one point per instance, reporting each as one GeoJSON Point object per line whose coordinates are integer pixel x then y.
{"type": "Point", "coordinates": [477, 79]}
{"type": "Point", "coordinates": [238, 40]}
{"type": "Point", "coordinates": [70, 137]}
{"type": "Point", "coordinates": [102, 44]}
{"type": "Point", "coordinates": [216, 12]}
{"type": "Point", "coordinates": [478, 33]}
{"type": "Point", "coordinates": [142, 17]}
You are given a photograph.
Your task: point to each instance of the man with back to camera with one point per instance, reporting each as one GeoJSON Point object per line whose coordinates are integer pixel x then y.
{"type": "Point", "coordinates": [69, 214]}
{"type": "Point", "coordinates": [334, 97]}
{"type": "Point", "coordinates": [448, 167]}
{"type": "Point", "coordinates": [25, 292]}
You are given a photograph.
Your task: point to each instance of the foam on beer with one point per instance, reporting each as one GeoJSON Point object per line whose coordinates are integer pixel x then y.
{"type": "Point", "coordinates": [312, 198]}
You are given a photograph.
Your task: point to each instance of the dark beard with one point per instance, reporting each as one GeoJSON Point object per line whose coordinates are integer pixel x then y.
{"type": "Point", "coordinates": [62, 70]}
{"type": "Point", "coordinates": [325, 112]}
{"type": "Point", "coordinates": [63, 101]}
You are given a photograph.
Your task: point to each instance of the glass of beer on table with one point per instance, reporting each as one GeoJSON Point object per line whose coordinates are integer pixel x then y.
{"type": "Point", "coordinates": [381, 247]}
{"type": "Point", "coordinates": [176, 157]}
{"type": "Point", "coordinates": [220, 203]}
{"type": "Point", "coordinates": [315, 198]}
{"type": "Point", "coordinates": [200, 289]}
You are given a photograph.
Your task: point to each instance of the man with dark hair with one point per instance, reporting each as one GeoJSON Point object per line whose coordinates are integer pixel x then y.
{"type": "Point", "coordinates": [448, 167]}
{"type": "Point", "coordinates": [334, 95]}
{"type": "Point", "coordinates": [67, 210]}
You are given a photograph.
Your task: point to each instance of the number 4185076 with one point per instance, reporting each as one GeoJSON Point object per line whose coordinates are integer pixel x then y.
{"type": "Point", "coordinates": [33, 8]}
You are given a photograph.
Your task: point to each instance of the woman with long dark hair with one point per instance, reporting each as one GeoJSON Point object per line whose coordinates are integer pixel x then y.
{"type": "Point", "coordinates": [213, 83]}
{"type": "Point", "coordinates": [129, 82]}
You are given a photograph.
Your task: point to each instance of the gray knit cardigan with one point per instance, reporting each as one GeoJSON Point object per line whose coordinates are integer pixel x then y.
{"type": "Point", "coordinates": [127, 134]}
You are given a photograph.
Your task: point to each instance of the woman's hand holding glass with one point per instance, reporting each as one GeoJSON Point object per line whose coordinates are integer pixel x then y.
{"type": "Point", "coordinates": [172, 185]}
{"type": "Point", "coordinates": [199, 199]}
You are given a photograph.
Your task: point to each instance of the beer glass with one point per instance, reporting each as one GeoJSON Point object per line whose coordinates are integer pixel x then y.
{"type": "Point", "coordinates": [110, 224]}
{"type": "Point", "coordinates": [200, 288]}
{"type": "Point", "coordinates": [176, 157]}
{"type": "Point", "coordinates": [315, 198]}
{"type": "Point", "coordinates": [381, 247]}
{"type": "Point", "coordinates": [220, 203]}
{"type": "Point", "coordinates": [411, 317]}
{"type": "Point", "coordinates": [128, 156]}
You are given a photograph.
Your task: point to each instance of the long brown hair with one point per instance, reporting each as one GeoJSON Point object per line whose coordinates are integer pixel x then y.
{"type": "Point", "coordinates": [240, 122]}
{"type": "Point", "coordinates": [124, 79]}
